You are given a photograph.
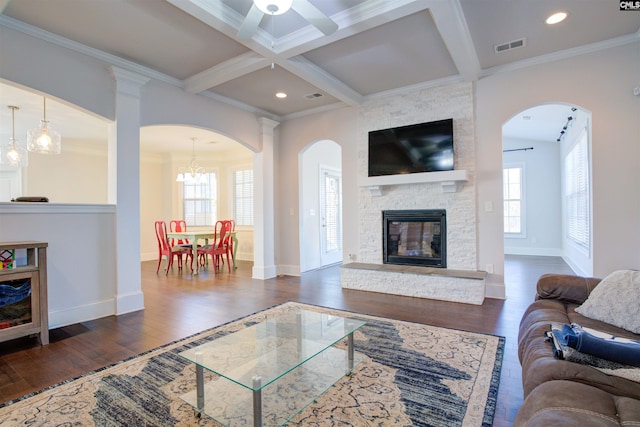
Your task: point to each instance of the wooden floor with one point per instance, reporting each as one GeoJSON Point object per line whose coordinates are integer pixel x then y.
{"type": "Point", "coordinates": [179, 305]}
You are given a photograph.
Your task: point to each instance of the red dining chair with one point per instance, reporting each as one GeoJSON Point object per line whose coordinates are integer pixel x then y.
{"type": "Point", "coordinates": [219, 247]}
{"type": "Point", "coordinates": [165, 249]}
{"type": "Point", "coordinates": [230, 249]}
{"type": "Point", "coordinates": [178, 225]}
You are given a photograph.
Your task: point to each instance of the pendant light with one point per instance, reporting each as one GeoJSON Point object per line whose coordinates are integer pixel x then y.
{"type": "Point", "coordinates": [43, 139]}
{"type": "Point", "coordinates": [193, 173]}
{"type": "Point", "coordinates": [12, 154]}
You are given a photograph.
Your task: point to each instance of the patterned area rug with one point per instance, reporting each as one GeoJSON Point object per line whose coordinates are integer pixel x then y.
{"type": "Point", "coordinates": [410, 374]}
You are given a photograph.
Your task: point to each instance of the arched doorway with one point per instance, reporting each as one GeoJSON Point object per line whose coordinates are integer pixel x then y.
{"type": "Point", "coordinates": [320, 205]}
{"type": "Point", "coordinates": [547, 184]}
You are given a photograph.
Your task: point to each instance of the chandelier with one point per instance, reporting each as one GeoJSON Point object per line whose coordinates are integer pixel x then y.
{"type": "Point", "coordinates": [193, 173]}
{"type": "Point", "coordinates": [12, 153]}
{"type": "Point", "coordinates": [43, 139]}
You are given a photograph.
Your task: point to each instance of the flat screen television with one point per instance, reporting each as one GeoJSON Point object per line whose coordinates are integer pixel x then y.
{"type": "Point", "coordinates": [423, 147]}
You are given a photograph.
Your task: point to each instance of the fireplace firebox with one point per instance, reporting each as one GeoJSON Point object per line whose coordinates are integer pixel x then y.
{"type": "Point", "coordinates": [415, 237]}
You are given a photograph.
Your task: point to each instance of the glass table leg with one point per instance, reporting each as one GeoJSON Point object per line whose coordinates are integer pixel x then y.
{"type": "Point", "coordinates": [257, 401]}
{"type": "Point", "coordinates": [350, 352]}
{"type": "Point", "coordinates": [200, 388]}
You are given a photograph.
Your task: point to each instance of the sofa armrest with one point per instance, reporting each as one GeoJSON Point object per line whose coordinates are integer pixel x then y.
{"type": "Point", "coordinates": [565, 287]}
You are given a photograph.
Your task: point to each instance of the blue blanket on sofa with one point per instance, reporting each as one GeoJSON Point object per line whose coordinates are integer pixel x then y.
{"type": "Point", "coordinates": [598, 344]}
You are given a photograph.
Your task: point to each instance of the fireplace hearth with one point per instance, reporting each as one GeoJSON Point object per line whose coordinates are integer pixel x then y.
{"type": "Point", "coordinates": [415, 237]}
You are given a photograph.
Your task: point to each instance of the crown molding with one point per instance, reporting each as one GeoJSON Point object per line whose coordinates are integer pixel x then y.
{"type": "Point", "coordinates": [241, 105]}
{"type": "Point", "coordinates": [563, 54]}
{"type": "Point", "coordinates": [46, 36]}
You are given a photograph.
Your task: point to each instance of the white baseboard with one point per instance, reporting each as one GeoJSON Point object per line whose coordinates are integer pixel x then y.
{"type": "Point", "coordinates": [289, 270]}
{"type": "Point", "coordinates": [495, 291]}
{"type": "Point", "coordinates": [81, 314]}
{"type": "Point", "coordinates": [129, 303]}
{"type": "Point", "coordinates": [149, 256]}
{"type": "Point", "coordinates": [263, 272]}
{"type": "Point", "coordinates": [533, 251]}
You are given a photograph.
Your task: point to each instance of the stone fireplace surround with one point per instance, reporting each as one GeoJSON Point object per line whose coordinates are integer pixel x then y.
{"type": "Point", "coordinates": [453, 191]}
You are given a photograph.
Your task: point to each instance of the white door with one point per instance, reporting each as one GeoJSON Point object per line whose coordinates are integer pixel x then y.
{"type": "Point", "coordinates": [331, 216]}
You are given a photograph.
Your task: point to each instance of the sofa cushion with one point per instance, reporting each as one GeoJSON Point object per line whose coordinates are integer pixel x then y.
{"type": "Point", "coordinates": [564, 403]}
{"type": "Point", "coordinates": [565, 287]}
{"type": "Point", "coordinates": [615, 301]}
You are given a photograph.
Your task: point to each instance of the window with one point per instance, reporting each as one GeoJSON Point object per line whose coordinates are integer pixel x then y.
{"type": "Point", "coordinates": [513, 200]}
{"type": "Point", "coordinates": [577, 191]}
{"type": "Point", "coordinates": [200, 201]}
{"type": "Point", "coordinates": [243, 203]}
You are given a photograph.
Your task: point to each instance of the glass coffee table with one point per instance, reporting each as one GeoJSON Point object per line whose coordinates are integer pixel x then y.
{"type": "Point", "coordinates": [269, 372]}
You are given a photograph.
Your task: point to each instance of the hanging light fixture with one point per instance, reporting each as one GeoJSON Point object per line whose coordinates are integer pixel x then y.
{"type": "Point", "coordinates": [13, 154]}
{"type": "Point", "coordinates": [194, 173]}
{"type": "Point", "coordinates": [43, 139]}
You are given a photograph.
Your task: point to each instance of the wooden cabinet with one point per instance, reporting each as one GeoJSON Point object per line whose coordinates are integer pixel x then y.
{"type": "Point", "coordinates": [29, 315]}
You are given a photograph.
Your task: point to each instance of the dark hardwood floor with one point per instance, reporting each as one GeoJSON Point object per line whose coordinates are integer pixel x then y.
{"type": "Point", "coordinates": [179, 305]}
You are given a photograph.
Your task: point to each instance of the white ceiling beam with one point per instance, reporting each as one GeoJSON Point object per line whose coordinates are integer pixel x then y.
{"type": "Point", "coordinates": [452, 26]}
{"type": "Point", "coordinates": [224, 19]}
{"type": "Point", "coordinates": [363, 17]}
{"type": "Point", "coordinates": [233, 68]}
{"type": "Point", "coordinates": [316, 76]}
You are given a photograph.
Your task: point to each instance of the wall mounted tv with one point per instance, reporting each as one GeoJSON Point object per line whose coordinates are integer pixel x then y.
{"type": "Point", "coordinates": [423, 147]}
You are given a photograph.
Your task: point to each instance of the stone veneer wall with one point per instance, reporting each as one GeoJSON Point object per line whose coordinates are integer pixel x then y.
{"type": "Point", "coordinates": [447, 101]}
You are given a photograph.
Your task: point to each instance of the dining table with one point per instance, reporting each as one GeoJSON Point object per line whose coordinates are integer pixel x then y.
{"type": "Point", "coordinates": [194, 236]}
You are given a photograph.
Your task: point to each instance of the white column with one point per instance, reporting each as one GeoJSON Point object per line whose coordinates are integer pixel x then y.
{"type": "Point", "coordinates": [124, 188]}
{"type": "Point", "coordinates": [263, 209]}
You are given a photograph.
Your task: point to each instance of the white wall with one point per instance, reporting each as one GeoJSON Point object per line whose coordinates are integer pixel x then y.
{"type": "Point", "coordinates": [81, 256]}
{"type": "Point", "coordinates": [321, 153]}
{"type": "Point", "coordinates": [601, 82]}
{"type": "Point", "coordinates": [77, 175]}
{"type": "Point", "coordinates": [294, 135]}
{"type": "Point", "coordinates": [542, 184]}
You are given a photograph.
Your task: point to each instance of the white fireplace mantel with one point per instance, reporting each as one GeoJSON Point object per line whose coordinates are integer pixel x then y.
{"type": "Point", "coordinates": [451, 181]}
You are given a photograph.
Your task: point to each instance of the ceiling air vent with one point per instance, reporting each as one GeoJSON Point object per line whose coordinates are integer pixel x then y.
{"type": "Point", "coordinates": [313, 95]}
{"type": "Point", "coordinates": [499, 48]}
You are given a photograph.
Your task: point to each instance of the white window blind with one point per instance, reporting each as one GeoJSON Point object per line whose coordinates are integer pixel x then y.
{"type": "Point", "coordinates": [577, 191]}
{"type": "Point", "coordinates": [200, 202]}
{"type": "Point", "coordinates": [243, 206]}
{"type": "Point", "coordinates": [512, 199]}
{"type": "Point", "coordinates": [331, 213]}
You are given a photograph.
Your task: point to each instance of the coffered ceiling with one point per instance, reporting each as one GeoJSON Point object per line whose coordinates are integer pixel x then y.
{"type": "Point", "coordinates": [380, 47]}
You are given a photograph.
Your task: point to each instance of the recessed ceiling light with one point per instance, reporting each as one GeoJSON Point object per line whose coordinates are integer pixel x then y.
{"type": "Point", "coordinates": [281, 95]}
{"type": "Point", "coordinates": [556, 18]}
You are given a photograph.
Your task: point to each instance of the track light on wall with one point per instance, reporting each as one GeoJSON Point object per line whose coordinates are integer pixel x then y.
{"type": "Point", "coordinates": [570, 119]}
{"type": "Point", "coordinates": [12, 153]}
{"type": "Point", "coordinates": [43, 139]}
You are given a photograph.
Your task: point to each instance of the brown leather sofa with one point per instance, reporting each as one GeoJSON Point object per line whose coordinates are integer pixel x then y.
{"type": "Point", "coordinates": [559, 392]}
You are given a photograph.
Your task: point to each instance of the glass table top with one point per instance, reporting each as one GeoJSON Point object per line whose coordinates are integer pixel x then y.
{"type": "Point", "coordinates": [270, 349]}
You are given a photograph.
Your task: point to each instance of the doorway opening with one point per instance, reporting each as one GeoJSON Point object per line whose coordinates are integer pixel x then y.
{"type": "Point", "coordinates": [547, 184]}
{"type": "Point", "coordinates": [320, 205]}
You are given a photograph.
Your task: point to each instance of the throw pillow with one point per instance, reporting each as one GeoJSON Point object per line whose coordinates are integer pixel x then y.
{"type": "Point", "coordinates": [616, 300]}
